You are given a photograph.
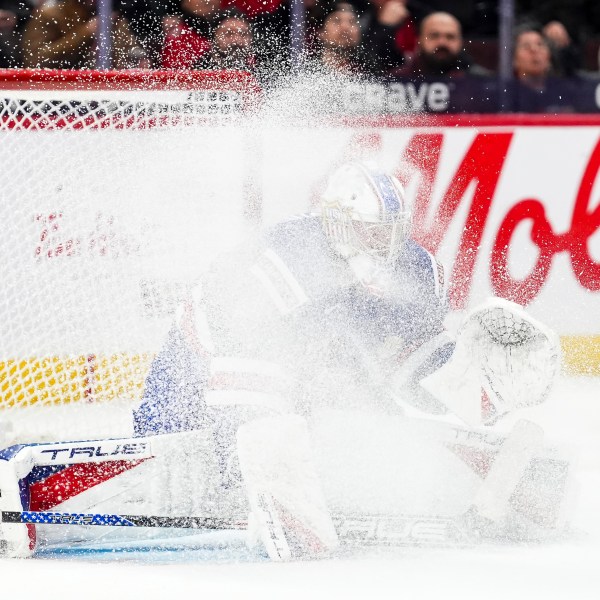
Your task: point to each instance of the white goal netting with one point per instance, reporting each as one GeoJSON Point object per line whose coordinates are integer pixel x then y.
{"type": "Point", "coordinates": [117, 188]}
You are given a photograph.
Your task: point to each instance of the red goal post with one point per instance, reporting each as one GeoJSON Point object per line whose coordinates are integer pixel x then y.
{"type": "Point", "coordinates": [117, 188]}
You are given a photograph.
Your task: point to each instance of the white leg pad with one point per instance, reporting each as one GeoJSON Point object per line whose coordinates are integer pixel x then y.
{"type": "Point", "coordinates": [284, 492]}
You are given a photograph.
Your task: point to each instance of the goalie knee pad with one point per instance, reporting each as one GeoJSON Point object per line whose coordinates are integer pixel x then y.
{"type": "Point", "coordinates": [240, 390]}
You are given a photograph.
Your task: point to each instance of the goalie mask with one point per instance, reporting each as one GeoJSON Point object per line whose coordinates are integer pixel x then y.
{"type": "Point", "coordinates": [364, 212]}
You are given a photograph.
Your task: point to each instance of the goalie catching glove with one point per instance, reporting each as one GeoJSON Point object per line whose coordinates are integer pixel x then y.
{"type": "Point", "coordinates": [504, 360]}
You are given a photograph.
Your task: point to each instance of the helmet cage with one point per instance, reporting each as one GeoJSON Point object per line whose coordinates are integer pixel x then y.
{"type": "Point", "coordinates": [380, 236]}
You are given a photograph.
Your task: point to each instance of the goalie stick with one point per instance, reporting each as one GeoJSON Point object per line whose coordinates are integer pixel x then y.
{"type": "Point", "coordinates": [111, 520]}
{"type": "Point", "coordinates": [362, 530]}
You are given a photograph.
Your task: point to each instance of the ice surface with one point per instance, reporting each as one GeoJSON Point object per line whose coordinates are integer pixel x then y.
{"type": "Point", "coordinates": [570, 569]}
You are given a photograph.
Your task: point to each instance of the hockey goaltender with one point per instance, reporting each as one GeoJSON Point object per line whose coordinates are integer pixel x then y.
{"type": "Point", "coordinates": [310, 397]}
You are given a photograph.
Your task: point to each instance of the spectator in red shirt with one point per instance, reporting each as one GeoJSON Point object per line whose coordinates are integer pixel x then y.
{"type": "Point", "coordinates": [187, 35]}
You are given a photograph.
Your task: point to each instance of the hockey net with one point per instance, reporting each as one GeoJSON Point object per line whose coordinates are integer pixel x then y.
{"type": "Point", "coordinates": [117, 188]}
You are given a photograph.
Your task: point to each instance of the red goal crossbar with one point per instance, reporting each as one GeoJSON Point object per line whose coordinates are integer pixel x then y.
{"type": "Point", "coordinates": [133, 79]}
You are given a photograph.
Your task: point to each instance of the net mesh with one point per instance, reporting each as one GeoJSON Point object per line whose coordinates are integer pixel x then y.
{"type": "Point", "coordinates": [506, 328]}
{"type": "Point", "coordinates": [116, 192]}
{"type": "Point", "coordinates": [57, 110]}
{"type": "Point", "coordinates": [43, 99]}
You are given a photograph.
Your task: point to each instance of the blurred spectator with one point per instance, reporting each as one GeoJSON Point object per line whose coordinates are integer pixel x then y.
{"type": "Point", "coordinates": [13, 16]}
{"type": "Point", "coordinates": [232, 44]}
{"type": "Point", "coordinates": [62, 35]}
{"type": "Point", "coordinates": [270, 21]}
{"type": "Point", "coordinates": [389, 32]}
{"type": "Point", "coordinates": [252, 8]}
{"type": "Point", "coordinates": [580, 18]}
{"type": "Point", "coordinates": [570, 25]}
{"type": "Point", "coordinates": [532, 62]}
{"type": "Point", "coordinates": [537, 88]}
{"type": "Point", "coordinates": [188, 35]}
{"type": "Point", "coordinates": [340, 41]}
{"type": "Point", "coordinates": [146, 22]}
{"type": "Point", "coordinates": [440, 51]}
{"type": "Point", "coordinates": [478, 18]}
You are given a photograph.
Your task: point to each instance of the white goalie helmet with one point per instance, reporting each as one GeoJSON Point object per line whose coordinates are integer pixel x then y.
{"type": "Point", "coordinates": [364, 211]}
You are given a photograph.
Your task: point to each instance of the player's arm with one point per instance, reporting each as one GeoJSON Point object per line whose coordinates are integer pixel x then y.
{"type": "Point", "coordinates": [423, 344]}
{"type": "Point", "coordinates": [501, 359]}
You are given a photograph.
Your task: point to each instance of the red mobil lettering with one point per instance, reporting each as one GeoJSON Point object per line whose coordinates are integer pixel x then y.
{"type": "Point", "coordinates": [584, 223]}
{"type": "Point", "coordinates": [482, 164]}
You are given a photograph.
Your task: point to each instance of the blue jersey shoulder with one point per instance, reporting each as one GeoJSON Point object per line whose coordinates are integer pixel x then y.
{"type": "Point", "coordinates": [302, 246]}
{"type": "Point", "coordinates": [296, 236]}
{"type": "Point", "coordinates": [423, 268]}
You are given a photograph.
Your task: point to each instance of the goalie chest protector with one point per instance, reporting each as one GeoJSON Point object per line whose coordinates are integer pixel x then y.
{"type": "Point", "coordinates": [293, 277]}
